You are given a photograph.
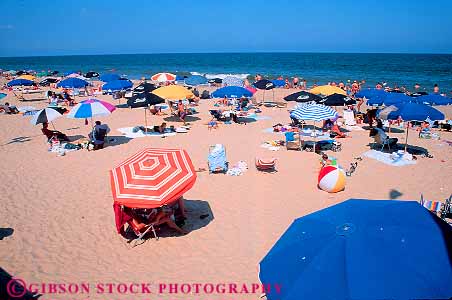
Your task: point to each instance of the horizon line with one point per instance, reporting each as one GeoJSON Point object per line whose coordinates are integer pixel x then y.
{"type": "Point", "coordinates": [232, 52]}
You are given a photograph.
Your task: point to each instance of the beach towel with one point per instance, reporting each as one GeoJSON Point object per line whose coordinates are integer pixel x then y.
{"type": "Point", "coordinates": [392, 159]}
{"type": "Point", "coordinates": [238, 169]}
{"type": "Point", "coordinates": [217, 158]}
{"type": "Point", "coordinates": [354, 128]}
{"type": "Point", "coordinates": [129, 132]}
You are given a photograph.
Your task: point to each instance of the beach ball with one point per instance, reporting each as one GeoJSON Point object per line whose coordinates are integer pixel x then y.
{"type": "Point", "coordinates": [331, 179]}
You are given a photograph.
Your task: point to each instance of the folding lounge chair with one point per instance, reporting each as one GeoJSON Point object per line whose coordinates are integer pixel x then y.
{"type": "Point", "coordinates": [293, 142]}
{"type": "Point", "coordinates": [433, 206]}
{"type": "Point", "coordinates": [446, 211]}
{"type": "Point", "coordinates": [266, 165]}
{"type": "Point", "coordinates": [140, 232]}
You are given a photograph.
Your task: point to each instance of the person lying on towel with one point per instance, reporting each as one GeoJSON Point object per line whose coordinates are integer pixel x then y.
{"type": "Point", "coordinates": [53, 133]}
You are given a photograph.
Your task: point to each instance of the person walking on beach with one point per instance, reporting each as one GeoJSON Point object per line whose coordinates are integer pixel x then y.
{"type": "Point", "coordinates": [181, 111]}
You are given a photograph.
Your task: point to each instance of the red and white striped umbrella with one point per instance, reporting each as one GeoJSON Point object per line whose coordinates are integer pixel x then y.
{"type": "Point", "coordinates": [163, 77]}
{"type": "Point", "coordinates": [153, 177]}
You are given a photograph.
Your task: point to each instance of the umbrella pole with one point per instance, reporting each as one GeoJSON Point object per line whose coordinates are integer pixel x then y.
{"type": "Point", "coordinates": [315, 137]}
{"type": "Point", "coordinates": [263, 97]}
{"type": "Point", "coordinates": [145, 122]}
{"type": "Point", "coordinates": [406, 137]}
{"type": "Point", "coordinates": [53, 125]}
{"type": "Point", "coordinates": [273, 90]}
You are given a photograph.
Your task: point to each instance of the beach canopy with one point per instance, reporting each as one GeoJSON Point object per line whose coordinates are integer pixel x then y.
{"type": "Point", "coordinates": [415, 112]}
{"type": "Point", "coordinates": [163, 77]}
{"type": "Point", "coordinates": [327, 90]}
{"type": "Point", "coordinates": [196, 80]}
{"type": "Point", "coordinates": [303, 97]}
{"type": "Point", "coordinates": [45, 115]}
{"type": "Point", "coordinates": [232, 81]}
{"type": "Point", "coordinates": [117, 85]}
{"type": "Point", "coordinates": [433, 99]}
{"type": "Point", "coordinates": [20, 82]}
{"type": "Point", "coordinates": [362, 249]}
{"type": "Point", "coordinates": [370, 93]}
{"type": "Point", "coordinates": [109, 77]}
{"type": "Point", "coordinates": [313, 112]}
{"type": "Point", "coordinates": [279, 83]}
{"type": "Point", "coordinates": [232, 92]}
{"type": "Point", "coordinates": [152, 178]}
{"type": "Point", "coordinates": [144, 87]}
{"type": "Point", "coordinates": [91, 74]}
{"type": "Point", "coordinates": [264, 84]}
{"type": "Point", "coordinates": [173, 92]}
{"type": "Point", "coordinates": [72, 83]}
{"type": "Point", "coordinates": [337, 100]}
{"type": "Point", "coordinates": [91, 108]}
{"type": "Point", "coordinates": [144, 100]}
{"type": "Point", "coordinates": [27, 77]}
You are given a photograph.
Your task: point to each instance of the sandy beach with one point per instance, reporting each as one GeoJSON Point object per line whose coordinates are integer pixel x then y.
{"type": "Point", "coordinates": [60, 207]}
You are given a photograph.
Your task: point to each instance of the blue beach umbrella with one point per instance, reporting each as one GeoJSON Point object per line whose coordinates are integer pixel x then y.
{"type": "Point", "coordinates": [18, 82]}
{"type": "Point", "coordinates": [118, 85]}
{"type": "Point", "coordinates": [370, 93]}
{"type": "Point", "coordinates": [232, 92]}
{"type": "Point", "coordinates": [415, 112]}
{"type": "Point", "coordinates": [69, 73]}
{"type": "Point", "coordinates": [433, 99]}
{"type": "Point", "coordinates": [109, 77]}
{"type": "Point", "coordinates": [279, 83]}
{"type": "Point", "coordinates": [196, 80]}
{"type": "Point", "coordinates": [72, 83]}
{"type": "Point", "coordinates": [395, 98]}
{"type": "Point", "coordinates": [362, 249]}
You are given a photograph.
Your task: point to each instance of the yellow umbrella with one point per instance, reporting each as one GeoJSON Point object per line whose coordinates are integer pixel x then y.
{"type": "Point", "coordinates": [173, 92]}
{"type": "Point", "coordinates": [27, 77]}
{"type": "Point", "coordinates": [327, 90]}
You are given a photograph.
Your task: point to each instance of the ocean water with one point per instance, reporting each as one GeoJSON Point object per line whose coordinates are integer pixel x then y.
{"type": "Point", "coordinates": [395, 69]}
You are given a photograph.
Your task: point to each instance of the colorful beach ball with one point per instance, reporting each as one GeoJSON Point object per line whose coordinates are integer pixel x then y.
{"type": "Point", "coordinates": [331, 179]}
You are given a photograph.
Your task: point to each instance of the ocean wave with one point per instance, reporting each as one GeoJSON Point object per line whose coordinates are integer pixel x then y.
{"type": "Point", "coordinates": [220, 75]}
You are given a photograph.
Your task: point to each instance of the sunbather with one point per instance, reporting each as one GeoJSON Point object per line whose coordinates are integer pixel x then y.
{"type": "Point", "coordinates": [213, 124]}
{"type": "Point", "coordinates": [8, 109]}
{"type": "Point", "coordinates": [53, 133]}
{"type": "Point", "coordinates": [164, 215]}
{"type": "Point", "coordinates": [161, 128]}
{"type": "Point", "coordinates": [381, 137]}
{"type": "Point", "coordinates": [336, 131]}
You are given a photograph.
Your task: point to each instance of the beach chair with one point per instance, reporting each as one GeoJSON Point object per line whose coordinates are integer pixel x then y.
{"type": "Point", "coordinates": [446, 211]}
{"type": "Point", "coordinates": [384, 143]}
{"type": "Point", "coordinates": [217, 115]}
{"type": "Point", "coordinates": [433, 206]}
{"type": "Point", "coordinates": [216, 159]}
{"type": "Point", "coordinates": [266, 165]}
{"type": "Point", "coordinates": [293, 141]}
{"type": "Point", "coordinates": [141, 231]}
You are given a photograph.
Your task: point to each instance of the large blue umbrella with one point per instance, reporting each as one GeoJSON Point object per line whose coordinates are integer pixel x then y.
{"type": "Point", "coordinates": [109, 77]}
{"type": "Point", "coordinates": [279, 82]}
{"type": "Point", "coordinates": [362, 249]}
{"type": "Point", "coordinates": [196, 80]}
{"type": "Point", "coordinates": [415, 112]}
{"type": "Point", "coordinates": [69, 73]}
{"type": "Point", "coordinates": [117, 85]}
{"type": "Point", "coordinates": [395, 98]}
{"type": "Point", "coordinates": [370, 93]}
{"type": "Point", "coordinates": [231, 92]}
{"type": "Point", "coordinates": [17, 82]}
{"type": "Point", "coordinates": [433, 99]}
{"type": "Point", "coordinates": [72, 83]}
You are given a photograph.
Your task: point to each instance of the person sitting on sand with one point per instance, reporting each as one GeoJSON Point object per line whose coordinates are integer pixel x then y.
{"type": "Point", "coordinates": [181, 111]}
{"type": "Point", "coordinates": [160, 129]}
{"type": "Point", "coordinates": [327, 160]}
{"type": "Point", "coordinates": [98, 134]}
{"type": "Point", "coordinates": [381, 137]}
{"type": "Point", "coordinates": [336, 131]}
{"type": "Point", "coordinates": [9, 110]}
{"type": "Point", "coordinates": [157, 216]}
{"type": "Point", "coordinates": [156, 110]}
{"type": "Point", "coordinates": [53, 133]}
{"type": "Point", "coordinates": [327, 125]}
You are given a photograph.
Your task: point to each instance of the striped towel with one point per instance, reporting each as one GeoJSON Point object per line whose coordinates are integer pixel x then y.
{"type": "Point", "coordinates": [432, 205]}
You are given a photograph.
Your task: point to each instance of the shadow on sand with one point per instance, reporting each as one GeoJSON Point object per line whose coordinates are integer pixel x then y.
{"type": "Point", "coordinates": [115, 140]}
{"type": "Point", "coordinates": [12, 288]}
{"type": "Point", "coordinates": [19, 139]}
{"type": "Point", "coordinates": [5, 232]}
{"type": "Point", "coordinates": [394, 194]}
{"type": "Point", "coordinates": [188, 119]}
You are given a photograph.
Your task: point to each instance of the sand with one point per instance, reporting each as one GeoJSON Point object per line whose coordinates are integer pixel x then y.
{"type": "Point", "coordinates": [61, 207]}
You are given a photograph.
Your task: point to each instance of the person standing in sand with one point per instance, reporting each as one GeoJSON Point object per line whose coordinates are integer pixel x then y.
{"type": "Point", "coordinates": [181, 111]}
{"type": "Point", "coordinates": [436, 89]}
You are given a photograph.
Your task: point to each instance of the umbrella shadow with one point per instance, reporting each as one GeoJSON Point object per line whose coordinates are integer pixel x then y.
{"type": "Point", "coordinates": [394, 194]}
{"type": "Point", "coordinates": [76, 137]}
{"type": "Point", "coordinates": [116, 140]}
{"type": "Point", "coordinates": [199, 214]}
{"type": "Point", "coordinates": [9, 284]}
{"type": "Point", "coordinates": [5, 232]}
{"type": "Point", "coordinates": [188, 118]}
{"type": "Point", "coordinates": [19, 139]}
{"type": "Point", "coordinates": [246, 120]}
{"type": "Point", "coordinates": [411, 149]}
{"type": "Point", "coordinates": [124, 105]}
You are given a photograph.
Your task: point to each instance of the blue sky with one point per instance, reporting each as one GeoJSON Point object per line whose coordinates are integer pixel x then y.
{"type": "Point", "coordinates": [157, 26]}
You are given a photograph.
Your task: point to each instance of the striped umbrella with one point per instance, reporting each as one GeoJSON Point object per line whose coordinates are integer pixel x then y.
{"type": "Point", "coordinates": [163, 77]}
{"type": "Point", "coordinates": [232, 81]}
{"type": "Point", "coordinates": [152, 177]}
{"type": "Point", "coordinates": [314, 112]}
{"type": "Point", "coordinates": [45, 115]}
{"type": "Point", "coordinates": [91, 108]}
